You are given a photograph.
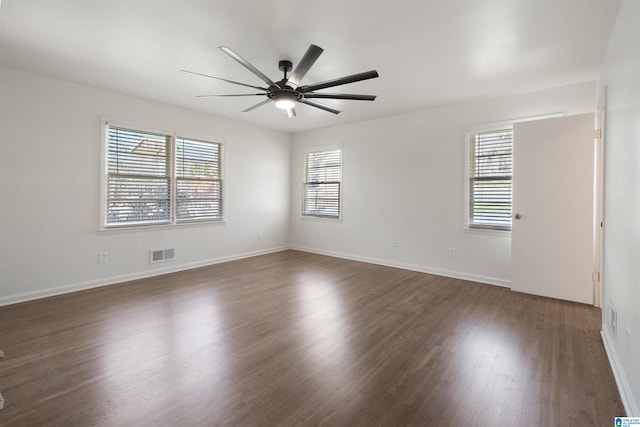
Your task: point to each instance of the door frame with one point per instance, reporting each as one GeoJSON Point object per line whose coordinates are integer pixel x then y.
{"type": "Point", "coordinates": [598, 199]}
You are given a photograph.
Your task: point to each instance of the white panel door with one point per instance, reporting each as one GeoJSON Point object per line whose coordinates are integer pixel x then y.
{"type": "Point", "coordinates": [552, 246]}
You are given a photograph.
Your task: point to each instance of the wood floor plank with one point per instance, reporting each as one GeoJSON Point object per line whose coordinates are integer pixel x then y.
{"type": "Point", "coordinates": [293, 338]}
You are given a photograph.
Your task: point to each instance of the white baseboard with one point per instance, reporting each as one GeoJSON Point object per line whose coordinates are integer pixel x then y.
{"type": "Point", "coordinates": [626, 395]}
{"type": "Point", "coordinates": [419, 268]}
{"type": "Point", "coordinates": [624, 388]}
{"type": "Point", "coordinates": [29, 296]}
{"type": "Point", "coordinates": [60, 290]}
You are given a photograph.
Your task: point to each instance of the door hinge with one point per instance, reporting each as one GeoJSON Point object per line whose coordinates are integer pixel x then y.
{"type": "Point", "coordinates": [597, 134]}
{"type": "Point", "coordinates": [595, 276]}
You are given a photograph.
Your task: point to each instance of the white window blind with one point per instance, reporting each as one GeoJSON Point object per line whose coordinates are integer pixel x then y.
{"type": "Point", "coordinates": [157, 178]}
{"type": "Point", "coordinates": [138, 187]}
{"type": "Point", "coordinates": [490, 188]}
{"type": "Point", "coordinates": [198, 180]}
{"type": "Point", "coordinates": [323, 170]}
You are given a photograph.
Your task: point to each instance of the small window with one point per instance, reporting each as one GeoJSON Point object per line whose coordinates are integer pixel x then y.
{"type": "Point", "coordinates": [490, 179]}
{"type": "Point", "coordinates": [155, 178]}
{"type": "Point", "coordinates": [322, 182]}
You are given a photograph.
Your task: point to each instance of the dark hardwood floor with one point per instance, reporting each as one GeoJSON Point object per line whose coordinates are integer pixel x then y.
{"type": "Point", "coordinates": [293, 338]}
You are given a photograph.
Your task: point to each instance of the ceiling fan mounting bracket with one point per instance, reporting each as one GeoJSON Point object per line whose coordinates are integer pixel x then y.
{"type": "Point", "coordinates": [285, 66]}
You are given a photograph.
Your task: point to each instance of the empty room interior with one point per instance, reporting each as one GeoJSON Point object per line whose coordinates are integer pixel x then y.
{"type": "Point", "coordinates": [314, 212]}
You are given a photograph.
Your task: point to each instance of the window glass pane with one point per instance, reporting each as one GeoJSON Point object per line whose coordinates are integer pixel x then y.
{"type": "Point", "coordinates": [492, 203]}
{"type": "Point", "coordinates": [493, 154]}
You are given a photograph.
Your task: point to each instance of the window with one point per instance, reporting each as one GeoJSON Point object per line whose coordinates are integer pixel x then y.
{"type": "Point", "coordinates": [138, 186]}
{"type": "Point", "coordinates": [155, 178]}
{"type": "Point", "coordinates": [322, 176]}
{"type": "Point", "coordinates": [198, 180]}
{"type": "Point", "coordinates": [490, 189]}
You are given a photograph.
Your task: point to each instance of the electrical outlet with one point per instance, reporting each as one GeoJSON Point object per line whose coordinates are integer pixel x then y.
{"type": "Point", "coordinates": [453, 252]}
{"type": "Point", "coordinates": [395, 243]}
{"type": "Point", "coordinates": [259, 236]}
{"type": "Point", "coordinates": [103, 257]}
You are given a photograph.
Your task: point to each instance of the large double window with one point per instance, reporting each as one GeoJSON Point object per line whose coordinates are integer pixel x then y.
{"type": "Point", "coordinates": [154, 178]}
{"type": "Point", "coordinates": [490, 179]}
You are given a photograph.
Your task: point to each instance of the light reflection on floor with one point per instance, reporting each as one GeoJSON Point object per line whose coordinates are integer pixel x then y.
{"type": "Point", "coordinates": [480, 348]}
{"type": "Point", "coordinates": [189, 330]}
{"type": "Point", "coordinates": [323, 323]}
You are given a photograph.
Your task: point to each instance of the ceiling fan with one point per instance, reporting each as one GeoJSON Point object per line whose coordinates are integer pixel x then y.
{"type": "Point", "coordinates": [286, 92]}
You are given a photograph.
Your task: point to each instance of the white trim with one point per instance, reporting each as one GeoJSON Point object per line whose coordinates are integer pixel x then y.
{"type": "Point", "coordinates": [598, 196]}
{"type": "Point", "coordinates": [481, 127]}
{"type": "Point", "coordinates": [173, 179]}
{"type": "Point", "coordinates": [487, 231]}
{"type": "Point", "coordinates": [320, 148]}
{"type": "Point", "coordinates": [163, 226]}
{"type": "Point", "coordinates": [320, 218]}
{"type": "Point", "coordinates": [113, 280]}
{"type": "Point", "coordinates": [102, 149]}
{"type": "Point", "coordinates": [626, 395]}
{"type": "Point", "coordinates": [412, 267]}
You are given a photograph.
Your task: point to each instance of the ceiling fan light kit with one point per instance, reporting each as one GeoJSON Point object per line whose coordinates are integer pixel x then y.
{"type": "Point", "coordinates": [285, 100]}
{"type": "Point", "coordinates": [286, 92]}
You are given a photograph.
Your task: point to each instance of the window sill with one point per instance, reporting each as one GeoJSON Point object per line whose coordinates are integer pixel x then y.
{"type": "Point", "coordinates": [156, 227]}
{"type": "Point", "coordinates": [319, 218]}
{"type": "Point", "coordinates": [487, 231]}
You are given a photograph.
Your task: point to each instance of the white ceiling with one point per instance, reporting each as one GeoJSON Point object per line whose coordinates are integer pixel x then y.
{"type": "Point", "coordinates": [427, 52]}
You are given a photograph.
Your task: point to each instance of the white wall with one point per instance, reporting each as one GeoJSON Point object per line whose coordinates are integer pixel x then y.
{"type": "Point", "coordinates": [49, 190]}
{"type": "Point", "coordinates": [404, 180]}
{"type": "Point", "coordinates": [621, 278]}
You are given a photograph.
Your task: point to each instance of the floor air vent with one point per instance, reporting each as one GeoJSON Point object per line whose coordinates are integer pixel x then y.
{"type": "Point", "coordinates": [161, 255]}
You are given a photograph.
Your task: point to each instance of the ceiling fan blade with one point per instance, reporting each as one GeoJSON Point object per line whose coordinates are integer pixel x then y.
{"type": "Point", "coordinates": [340, 96]}
{"type": "Point", "coordinates": [236, 94]}
{"type": "Point", "coordinates": [320, 106]}
{"type": "Point", "coordinates": [310, 57]}
{"type": "Point", "coordinates": [224, 80]}
{"type": "Point", "coordinates": [260, 104]}
{"type": "Point", "coordinates": [246, 64]}
{"type": "Point", "coordinates": [291, 112]}
{"type": "Point", "coordinates": [339, 81]}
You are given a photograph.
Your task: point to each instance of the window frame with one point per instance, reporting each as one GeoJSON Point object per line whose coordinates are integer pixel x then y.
{"type": "Point", "coordinates": [305, 155]}
{"type": "Point", "coordinates": [177, 177]}
{"type": "Point", "coordinates": [468, 194]}
{"type": "Point", "coordinates": [105, 124]}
